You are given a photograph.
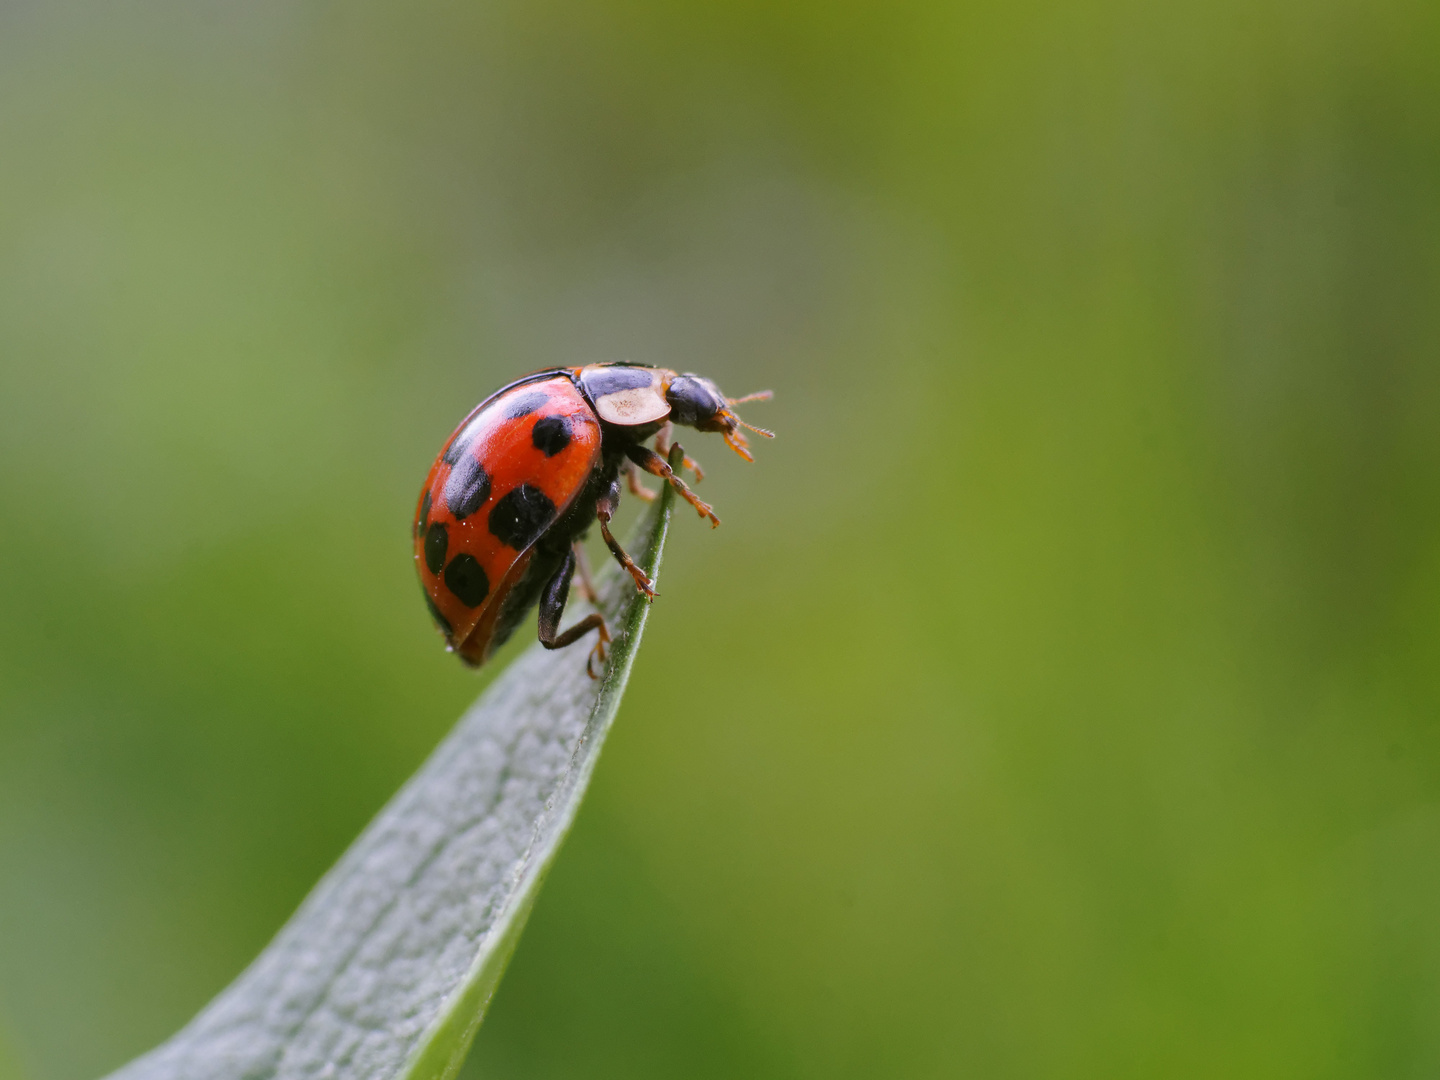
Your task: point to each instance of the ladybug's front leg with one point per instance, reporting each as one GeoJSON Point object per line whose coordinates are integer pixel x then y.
{"type": "Point", "coordinates": [552, 606]}
{"type": "Point", "coordinates": [662, 447]}
{"type": "Point", "coordinates": [604, 510]}
{"type": "Point", "coordinates": [652, 462]}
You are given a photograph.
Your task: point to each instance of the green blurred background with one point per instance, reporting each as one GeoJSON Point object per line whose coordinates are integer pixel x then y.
{"type": "Point", "coordinates": [1060, 696]}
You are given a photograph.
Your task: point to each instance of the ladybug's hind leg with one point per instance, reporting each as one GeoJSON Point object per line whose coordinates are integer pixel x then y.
{"type": "Point", "coordinates": [552, 606]}
{"type": "Point", "coordinates": [653, 463]}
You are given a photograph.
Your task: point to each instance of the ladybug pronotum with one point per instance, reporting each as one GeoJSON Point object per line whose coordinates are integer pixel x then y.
{"type": "Point", "coordinates": [519, 482]}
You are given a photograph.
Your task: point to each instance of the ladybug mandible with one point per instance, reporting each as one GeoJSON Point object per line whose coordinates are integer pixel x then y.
{"type": "Point", "coordinates": [517, 485]}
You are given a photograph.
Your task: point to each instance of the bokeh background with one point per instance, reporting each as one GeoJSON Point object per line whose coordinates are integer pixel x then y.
{"type": "Point", "coordinates": [1060, 696]}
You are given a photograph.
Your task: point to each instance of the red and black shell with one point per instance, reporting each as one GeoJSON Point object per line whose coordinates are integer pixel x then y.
{"type": "Point", "coordinates": [507, 475]}
{"type": "Point", "coordinates": [527, 473]}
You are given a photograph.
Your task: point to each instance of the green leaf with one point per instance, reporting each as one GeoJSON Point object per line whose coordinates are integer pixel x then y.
{"type": "Point", "coordinates": [387, 968]}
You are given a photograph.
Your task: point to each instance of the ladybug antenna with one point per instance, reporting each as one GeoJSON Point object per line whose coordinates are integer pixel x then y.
{"type": "Point", "coordinates": [735, 439]}
{"type": "Point", "coordinates": [759, 395]}
{"type": "Point", "coordinates": [729, 424]}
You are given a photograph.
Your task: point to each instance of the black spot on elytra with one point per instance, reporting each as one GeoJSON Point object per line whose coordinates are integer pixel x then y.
{"type": "Point", "coordinates": [521, 516]}
{"type": "Point", "coordinates": [437, 543]}
{"type": "Point", "coordinates": [454, 450]}
{"type": "Point", "coordinates": [467, 486]}
{"type": "Point", "coordinates": [465, 577]}
{"type": "Point", "coordinates": [524, 404]}
{"type": "Point", "coordinates": [424, 514]}
{"type": "Point", "coordinates": [460, 443]}
{"type": "Point", "coordinates": [551, 434]}
{"type": "Point", "coordinates": [440, 620]}
{"type": "Point", "coordinates": [611, 380]}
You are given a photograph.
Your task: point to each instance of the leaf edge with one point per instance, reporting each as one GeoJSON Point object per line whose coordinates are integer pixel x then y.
{"type": "Point", "coordinates": [445, 1045]}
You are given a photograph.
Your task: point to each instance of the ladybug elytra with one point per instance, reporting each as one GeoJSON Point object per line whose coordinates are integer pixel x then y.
{"type": "Point", "coordinates": [520, 481]}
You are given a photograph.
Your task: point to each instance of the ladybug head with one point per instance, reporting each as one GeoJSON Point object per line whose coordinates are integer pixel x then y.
{"type": "Point", "coordinates": [697, 402]}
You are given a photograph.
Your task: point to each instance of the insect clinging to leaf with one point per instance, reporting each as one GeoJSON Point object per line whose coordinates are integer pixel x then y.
{"type": "Point", "coordinates": [523, 477]}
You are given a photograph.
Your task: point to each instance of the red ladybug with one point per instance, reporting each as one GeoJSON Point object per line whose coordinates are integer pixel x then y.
{"type": "Point", "coordinates": [519, 482]}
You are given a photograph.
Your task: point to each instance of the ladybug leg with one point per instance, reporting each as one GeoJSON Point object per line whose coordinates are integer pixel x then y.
{"type": "Point", "coordinates": [642, 581]}
{"type": "Point", "coordinates": [632, 481]}
{"type": "Point", "coordinates": [582, 567]}
{"type": "Point", "coordinates": [552, 606]}
{"type": "Point", "coordinates": [662, 447]}
{"type": "Point", "coordinates": [652, 462]}
{"type": "Point", "coordinates": [689, 463]}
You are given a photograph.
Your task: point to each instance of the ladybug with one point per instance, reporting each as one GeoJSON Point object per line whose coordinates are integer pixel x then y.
{"type": "Point", "coordinates": [518, 484]}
